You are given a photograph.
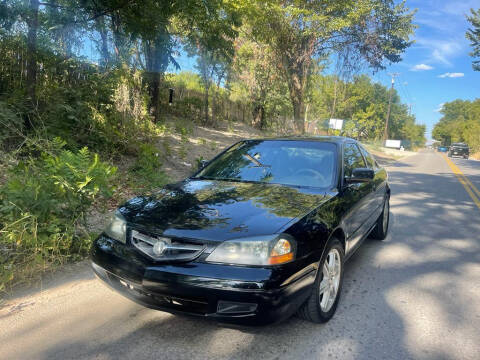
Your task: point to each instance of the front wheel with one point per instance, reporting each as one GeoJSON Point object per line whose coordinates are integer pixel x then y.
{"type": "Point", "coordinates": [323, 300]}
{"type": "Point", "coordinates": [381, 228]}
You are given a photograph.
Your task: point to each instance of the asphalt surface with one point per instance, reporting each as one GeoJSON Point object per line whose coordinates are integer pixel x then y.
{"type": "Point", "coordinates": [415, 295]}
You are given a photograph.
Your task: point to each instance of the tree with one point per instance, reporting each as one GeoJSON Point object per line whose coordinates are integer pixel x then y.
{"type": "Point", "coordinates": [473, 34]}
{"type": "Point", "coordinates": [32, 22]}
{"type": "Point", "coordinates": [208, 24]}
{"type": "Point", "coordinates": [258, 77]}
{"type": "Point", "coordinates": [213, 46]}
{"type": "Point", "coordinates": [375, 30]}
{"type": "Point", "coordinates": [460, 123]}
{"type": "Point", "coordinates": [212, 68]}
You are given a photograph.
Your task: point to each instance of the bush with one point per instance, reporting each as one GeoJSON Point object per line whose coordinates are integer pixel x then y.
{"type": "Point", "coordinates": [109, 113]}
{"type": "Point", "coordinates": [11, 124]}
{"type": "Point", "coordinates": [190, 108]}
{"type": "Point", "coordinates": [146, 174]}
{"type": "Point", "coordinates": [42, 210]}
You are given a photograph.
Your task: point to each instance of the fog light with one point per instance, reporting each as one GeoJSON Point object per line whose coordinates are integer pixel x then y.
{"type": "Point", "coordinates": [230, 307]}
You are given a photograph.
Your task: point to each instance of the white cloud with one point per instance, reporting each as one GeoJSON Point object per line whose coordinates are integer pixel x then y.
{"type": "Point", "coordinates": [421, 67]}
{"type": "Point", "coordinates": [441, 50]}
{"type": "Point", "coordinates": [452, 75]}
{"type": "Point", "coordinates": [440, 107]}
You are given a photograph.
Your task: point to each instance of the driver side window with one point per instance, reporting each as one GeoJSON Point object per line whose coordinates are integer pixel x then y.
{"type": "Point", "coordinates": [352, 159]}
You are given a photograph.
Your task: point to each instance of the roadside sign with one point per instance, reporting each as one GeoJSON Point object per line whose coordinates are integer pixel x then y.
{"type": "Point", "coordinates": [396, 144]}
{"type": "Point", "coordinates": [335, 124]}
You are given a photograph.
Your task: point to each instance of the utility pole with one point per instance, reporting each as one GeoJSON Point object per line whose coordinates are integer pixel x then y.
{"type": "Point", "coordinates": [385, 133]}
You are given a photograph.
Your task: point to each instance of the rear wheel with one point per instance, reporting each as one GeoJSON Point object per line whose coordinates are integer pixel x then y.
{"type": "Point", "coordinates": [381, 228]}
{"type": "Point", "coordinates": [465, 156]}
{"type": "Point", "coordinates": [323, 301]}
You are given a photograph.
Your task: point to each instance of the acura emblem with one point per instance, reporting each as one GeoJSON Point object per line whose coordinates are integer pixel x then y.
{"type": "Point", "coordinates": [159, 247]}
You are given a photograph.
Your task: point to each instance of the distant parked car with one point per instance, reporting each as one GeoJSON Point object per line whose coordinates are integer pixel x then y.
{"type": "Point", "coordinates": [442, 149]}
{"type": "Point", "coordinates": [260, 232]}
{"type": "Point", "coordinates": [459, 149]}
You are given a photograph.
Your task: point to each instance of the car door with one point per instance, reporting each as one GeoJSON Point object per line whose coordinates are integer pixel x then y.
{"type": "Point", "coordinates": [357, 196]}
{"type": "Point", "coordinates": [378, 186]}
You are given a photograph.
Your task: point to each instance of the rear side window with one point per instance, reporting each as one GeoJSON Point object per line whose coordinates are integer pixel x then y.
{"type": "Point", "coordinates": [352, 159]}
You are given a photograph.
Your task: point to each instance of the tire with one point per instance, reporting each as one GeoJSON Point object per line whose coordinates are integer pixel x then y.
{"type": "Point", "coordinates": [318, 308]}
{"type": "Point", "coordinates": [465, 157]}
{"type": "Point", "coordinates": [380, 230]}
{"type": "Point", "coordinates": [449, 154]}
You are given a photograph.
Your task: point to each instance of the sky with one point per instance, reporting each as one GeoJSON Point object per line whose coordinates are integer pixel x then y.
{"type": "Point", "coordinates": [437, 68]}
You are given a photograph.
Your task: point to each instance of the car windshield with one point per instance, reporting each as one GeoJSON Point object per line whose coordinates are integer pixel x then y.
{"type": "Point", "coordinates": [286, 162]}
{"type": "Point", "coordinates": [459, 145]}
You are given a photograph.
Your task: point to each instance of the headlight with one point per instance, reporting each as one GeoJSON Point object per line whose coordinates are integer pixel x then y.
{"type": "Point", "coordinates": [260, 250]}
{"type": "Point", "coordinates": [117, 228]}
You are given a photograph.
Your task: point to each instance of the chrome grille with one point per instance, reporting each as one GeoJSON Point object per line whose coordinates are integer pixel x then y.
{"type": "Point", "coordinates": [166, 249]}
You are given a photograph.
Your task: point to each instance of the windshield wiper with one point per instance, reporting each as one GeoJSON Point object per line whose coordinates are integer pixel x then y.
{"type": "Point", "coordinates": [255, 161]}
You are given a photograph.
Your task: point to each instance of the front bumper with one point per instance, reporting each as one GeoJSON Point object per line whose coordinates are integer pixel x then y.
{"type": "Point", "coordinates": [233, 294]}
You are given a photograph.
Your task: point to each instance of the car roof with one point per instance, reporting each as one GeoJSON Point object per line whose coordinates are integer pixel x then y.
{"type": "Point", "coordinates": [333, 139]}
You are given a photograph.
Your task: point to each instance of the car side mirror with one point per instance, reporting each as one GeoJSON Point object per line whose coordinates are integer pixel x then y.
{"type": "Point", "coordinates": [360, 175]}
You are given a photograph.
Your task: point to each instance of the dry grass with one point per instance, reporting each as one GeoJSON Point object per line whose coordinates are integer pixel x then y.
{"type": "Point", "coordinates": [475, 156]}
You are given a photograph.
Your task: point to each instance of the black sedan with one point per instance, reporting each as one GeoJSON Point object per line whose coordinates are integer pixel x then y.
{"type": "Point", "coordinates": [259, 233]}
{"type": "Point", "coordinates": [459, 149]}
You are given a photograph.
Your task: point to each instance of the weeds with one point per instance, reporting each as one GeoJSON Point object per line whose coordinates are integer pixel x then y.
{"type": "Point", "coordinates": [146, 174]}
{"type": "Point", "coordinates": [43, 205]}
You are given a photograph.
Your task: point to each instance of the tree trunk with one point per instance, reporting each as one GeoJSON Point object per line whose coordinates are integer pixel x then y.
{"type": "Point", "coordinates": [299, 113]}
{"type": "Point", "coordinates": [155, 96]}
{"type": "Point", "coordinates": [31, 80]}
{"type": "Point", "coordinates": [297, 80]}
{"type": "Point", "coordinates": [214, 101]}
{"type": "Point", "coordinates": [104, 40]}
{"type": "Point", "coordinates": [296, 63]}
{"type": "Point", "coordinates": [259, 116]}
{"type": "Point", "coordinates": [206, 104]}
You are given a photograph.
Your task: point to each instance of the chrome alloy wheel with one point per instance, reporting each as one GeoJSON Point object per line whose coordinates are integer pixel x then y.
{"type": "Point", "coordinates": [331, 280]}
{"type": "Point", "coordinates": [386, 215]}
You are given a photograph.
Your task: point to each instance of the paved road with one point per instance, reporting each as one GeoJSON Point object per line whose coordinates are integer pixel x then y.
{"type": "Point", "coordinates": [416, 295]}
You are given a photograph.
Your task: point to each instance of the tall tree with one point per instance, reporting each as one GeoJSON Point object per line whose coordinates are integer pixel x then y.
{"type": "Point", "coordinates": [32, 22]}
{"type": "Point", "coordinates": [256, 75]}
{"type": "Point", "coordinates": [299, 30]}
{"type": "Point", "coordinates": [473, 34]}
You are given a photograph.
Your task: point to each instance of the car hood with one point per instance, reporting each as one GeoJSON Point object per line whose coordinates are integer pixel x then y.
{"type": "Point", "coordinates": [220, 210]}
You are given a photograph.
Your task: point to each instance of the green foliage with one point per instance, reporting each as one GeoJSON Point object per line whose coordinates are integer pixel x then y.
{"type": "Point", "coordinates": [188, 108]}
{"type": "Point", "coordinates": [12, 126]}
{"type": "Point", "coordinates": [43, 205]}
{"type": "Point", "coordinates": [363, 104]}
{"type": "Point", "coordinates": [257, 81]}
{"type": "Point", "coordinates": [299, 31]}
{"type": "Point", "coordinates": [473, 34]}
{"type": "Point", "coordinates": [146, 174]}
{"type": "Point", "coordinates": [185, 81]}
{"type": "Point", "coordinates": [460, 123]}
{"type": "Point", "coordinates": [108, 113]}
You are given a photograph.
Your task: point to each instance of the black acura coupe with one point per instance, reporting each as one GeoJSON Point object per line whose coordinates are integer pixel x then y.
{"type": "Point", "coordinates": [261, 232]}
